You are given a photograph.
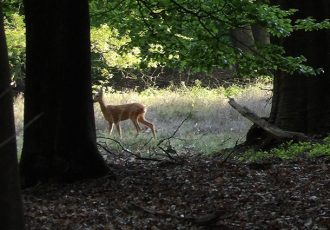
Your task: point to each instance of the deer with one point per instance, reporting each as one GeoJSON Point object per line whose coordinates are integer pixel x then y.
{"type": "Point", "coordinates": [114, 114]}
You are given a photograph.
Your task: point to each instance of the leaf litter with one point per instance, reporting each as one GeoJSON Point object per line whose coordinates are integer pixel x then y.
{"type": "Point", "coordinates": [197, 193]}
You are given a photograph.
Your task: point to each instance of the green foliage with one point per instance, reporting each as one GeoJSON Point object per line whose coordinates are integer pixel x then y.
{"type": "Point", "coordinates": [15, 34]}
{"type": "Point", "coordinates": [193, 35]}
{"type": "Point", "coordinates": [10, 7]}
{"type": "Point", "coordinates": [276, 20]}
{"type": "Point", "coordinates": [106, 52]}
{"type": "Point", "coordinates": [291, 150]}
{"type": "Point", "coordinates": [196, 34]}
{"type": "Point", "coordinates": [310, 24]}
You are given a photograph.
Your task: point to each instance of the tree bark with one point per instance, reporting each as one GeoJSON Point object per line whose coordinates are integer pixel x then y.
{"type": "Point", "coordinates": [261, 35]}
{"type": "Point", "coordinates": [302, 103]}
{"type": "Point", "coordinates": [242, 39]}
{"type": "Point", "coordinates": [61, 144]}
{"type": "Point", "coordinates": [11, 211]}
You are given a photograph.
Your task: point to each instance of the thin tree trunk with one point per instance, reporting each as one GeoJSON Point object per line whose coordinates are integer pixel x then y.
{"type": "Point", "coordinates": [11, 212]}
{"type": "Point", "coordinates": [243, 39]}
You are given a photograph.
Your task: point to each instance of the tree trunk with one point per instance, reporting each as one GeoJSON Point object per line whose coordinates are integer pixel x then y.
{"type": "Point", "coordinates": [243, 39]}
{"type": "Point", "coordinates": [61, 144]}
{"type": "Point", "coordinates": [11, 212]}
{"type": "Point", "coordinates": [302, 103]}
{"type": "Point", "coordinates": [260, 35]}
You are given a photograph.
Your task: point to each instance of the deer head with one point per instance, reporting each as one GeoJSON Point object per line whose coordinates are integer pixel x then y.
{"type": "Point", "coordinates": [98, 96]}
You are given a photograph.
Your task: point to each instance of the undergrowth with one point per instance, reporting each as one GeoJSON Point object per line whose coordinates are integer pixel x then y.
{"type": "Point", "coordinates": [291, 150]}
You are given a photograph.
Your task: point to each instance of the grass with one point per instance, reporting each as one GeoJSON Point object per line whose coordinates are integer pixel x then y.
{"type": "Point", "coordinates": [212, 124]}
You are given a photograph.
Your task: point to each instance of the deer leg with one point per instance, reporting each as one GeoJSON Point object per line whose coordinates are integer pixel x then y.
{"type": "Point", "coordinates": [137, 126]}
{"type": "Point", "coordinates": [110, 127]}
{"type": "Point", "coordinates": [118, 128]}
{"type": "Point", "coordinates": [149, 124]}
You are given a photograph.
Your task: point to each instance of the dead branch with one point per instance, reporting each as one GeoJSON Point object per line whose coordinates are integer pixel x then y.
{"type": "Point", "coordinates": [229, 154]}
{"type": "Point", "coordinates": [167, 151]}
{"type": "Point", "coordinates": [270, 128]}
{"type": "Point", "coordinates": [174, 133]}
{"type": "Point", "coordinates": [138, 157]}
{"type": "Point", "coordinates": [105, 149]}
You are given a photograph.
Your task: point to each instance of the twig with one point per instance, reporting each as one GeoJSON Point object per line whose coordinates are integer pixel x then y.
{"type": "Point", "coordinates": [166, 152]}
{"type": "Point", "coordinates": [105, 149]}
{"type": "Point", "coordinates": [170, 150]}
{"type": "Point", "coordinates": [174, 133]}
{"type": "Point", "coordinates": [128, 151]}
{"type": "Point", "coordinates": [229, 154]}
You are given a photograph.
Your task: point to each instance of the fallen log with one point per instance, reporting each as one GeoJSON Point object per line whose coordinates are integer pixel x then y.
{"type": "Point", "coordinates": [268, 127]}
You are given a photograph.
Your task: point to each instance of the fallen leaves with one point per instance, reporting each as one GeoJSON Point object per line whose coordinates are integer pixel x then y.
{"type": "Point", "coordinates": [195, 195]}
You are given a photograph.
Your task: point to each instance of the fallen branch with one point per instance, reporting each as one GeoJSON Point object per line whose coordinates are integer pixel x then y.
{"type": "Point", "coordinates": [138, 157]}
{"type": "Point", "coordinates": [270, 128]}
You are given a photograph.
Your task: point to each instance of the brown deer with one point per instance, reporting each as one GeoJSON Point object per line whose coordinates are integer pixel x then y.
{"type": "Point", "coordinates": [116, 113]}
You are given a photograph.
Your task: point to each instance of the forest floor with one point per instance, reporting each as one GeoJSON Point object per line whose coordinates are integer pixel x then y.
{"type": "Point", "coordinates": [191, 193]}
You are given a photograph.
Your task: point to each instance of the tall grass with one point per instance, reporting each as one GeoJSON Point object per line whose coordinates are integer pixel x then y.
{"type": "Point", "coordinates": [211, 125]}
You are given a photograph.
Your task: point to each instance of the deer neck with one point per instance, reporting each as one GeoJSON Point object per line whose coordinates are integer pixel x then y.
{"type": "Point", "coordinates": [103, 107]}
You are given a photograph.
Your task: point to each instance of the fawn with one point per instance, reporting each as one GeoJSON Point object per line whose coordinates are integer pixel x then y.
{"type": "Point", "coordinates": [116, 113]}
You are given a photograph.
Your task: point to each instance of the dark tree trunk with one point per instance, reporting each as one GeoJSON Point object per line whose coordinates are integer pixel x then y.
{"type": "Point", "coordinates": [11, 212]}
{"type": "Point", "coordinates": [302, 103]}
{"type": "Point", "coordinates": [61, 144]}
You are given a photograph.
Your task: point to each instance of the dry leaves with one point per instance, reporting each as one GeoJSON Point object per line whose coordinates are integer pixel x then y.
{"type": "Point", "coordinates": [195, 195]}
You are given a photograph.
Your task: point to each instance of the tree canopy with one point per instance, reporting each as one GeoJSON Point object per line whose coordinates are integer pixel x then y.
{"type": "Point", "coordinates": [194, 34]}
